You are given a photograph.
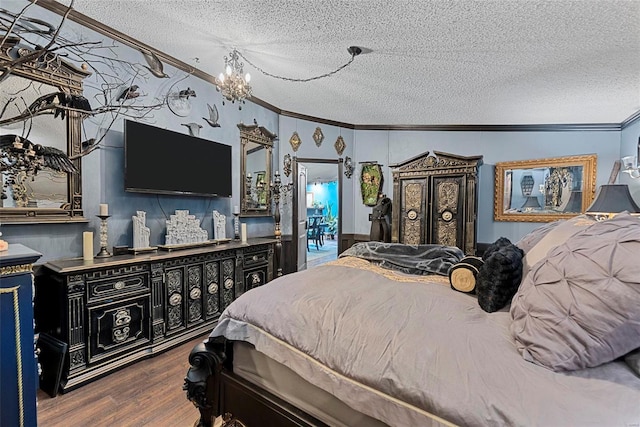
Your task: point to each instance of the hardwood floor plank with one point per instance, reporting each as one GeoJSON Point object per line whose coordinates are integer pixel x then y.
{"type": "Point", "coordinates": [147, 393]}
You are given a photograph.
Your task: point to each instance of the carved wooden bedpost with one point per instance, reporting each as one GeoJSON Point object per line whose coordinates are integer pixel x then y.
{"type": "Point", "coordinates": [203, 382]}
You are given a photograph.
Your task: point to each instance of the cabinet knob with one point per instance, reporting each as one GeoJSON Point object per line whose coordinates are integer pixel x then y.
{"type": "Point", "coordinates": [255, 257]}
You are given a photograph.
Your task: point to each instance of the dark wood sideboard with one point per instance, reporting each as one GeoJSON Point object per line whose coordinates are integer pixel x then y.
{"type": "Point", "coordinates": [113, 311]}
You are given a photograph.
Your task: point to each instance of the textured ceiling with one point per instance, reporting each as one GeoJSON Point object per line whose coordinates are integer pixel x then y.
{"type": "Point", "coordinates": [431, 62]}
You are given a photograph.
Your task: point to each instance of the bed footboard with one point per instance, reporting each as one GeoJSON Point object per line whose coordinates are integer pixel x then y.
{"type": "Point", "coordinates": [203, 382]}
{"type": "Point", "coordinates": [215, 390]}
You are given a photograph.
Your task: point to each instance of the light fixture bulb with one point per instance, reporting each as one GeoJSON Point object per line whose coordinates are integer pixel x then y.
{"type": "Point", "coordinates": [247, 77]}
{"type": "Point", "coordinates": [228, 70]}
{"type": "Point", "coordinates": [221, 77]}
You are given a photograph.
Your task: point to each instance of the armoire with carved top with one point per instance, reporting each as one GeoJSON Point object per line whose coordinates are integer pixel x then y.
{"type": "Point", "coordinates": [435, 200]}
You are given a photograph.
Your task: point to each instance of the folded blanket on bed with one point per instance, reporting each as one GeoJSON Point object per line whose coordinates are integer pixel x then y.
{"type": "Point", "coordinates": [411, 259]}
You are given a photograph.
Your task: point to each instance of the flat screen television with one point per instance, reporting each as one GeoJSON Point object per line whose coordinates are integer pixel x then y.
{"type": "Point", "coordinates": [161, 161]}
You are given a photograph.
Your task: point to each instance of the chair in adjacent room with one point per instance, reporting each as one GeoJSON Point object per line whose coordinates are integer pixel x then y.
{"type": "Point", "coordinates": [314, 232]}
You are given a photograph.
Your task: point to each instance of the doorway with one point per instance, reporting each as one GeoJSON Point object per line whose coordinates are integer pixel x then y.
{"type": "Point", "coordinates": [317, 211]}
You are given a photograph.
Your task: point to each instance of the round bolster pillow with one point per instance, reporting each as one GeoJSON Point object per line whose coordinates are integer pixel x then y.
{"type": "Point", "coordinates": [463, 275]}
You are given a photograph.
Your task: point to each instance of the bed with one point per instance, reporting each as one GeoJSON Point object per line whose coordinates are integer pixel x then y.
{"type": "Point", "coordinates": [356, 343]}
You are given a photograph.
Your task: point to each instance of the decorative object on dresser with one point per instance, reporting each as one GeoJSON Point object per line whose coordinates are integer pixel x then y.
{"type": "Point", "coordinates": [435, 199]}
{"type": "Point", "coordinates": [219, 226]}
{"type": "Point", "coordinates": [104, 234]}
{"type": "Point", "coordinates": [17, 358]}
{"type": "Point", "coordinates": [141, 233]}
{"type": "Point", "coordinates": [236, 222]}
{"type": "Point", "coordinates": [87, 245]}
{"type": "Point", "coordinates": [184, 228]}
{"type": "Point", "coordinates": [117, 310]}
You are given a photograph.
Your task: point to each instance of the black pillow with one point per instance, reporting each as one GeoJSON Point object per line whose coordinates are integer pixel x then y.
{"type": "Point", "coordinates": [500, 275]}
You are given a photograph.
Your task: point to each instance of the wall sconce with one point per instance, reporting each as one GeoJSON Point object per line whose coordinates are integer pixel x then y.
{"type": "Point", "coordinates": [348, 167]}
{"type": "Point", "coordinates": [630, 164]}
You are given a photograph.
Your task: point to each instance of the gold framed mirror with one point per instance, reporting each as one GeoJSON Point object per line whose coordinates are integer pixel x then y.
{"type": "Point", "coordinates": [544, 190]}
{"type": "Point", "coordinates": [256, 147]}
{"type": "Point", "coordinates": [50, 195]}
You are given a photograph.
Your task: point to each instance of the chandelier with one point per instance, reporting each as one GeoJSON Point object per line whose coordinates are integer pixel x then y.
{"type": "Point", "coordinates": [233, 85]}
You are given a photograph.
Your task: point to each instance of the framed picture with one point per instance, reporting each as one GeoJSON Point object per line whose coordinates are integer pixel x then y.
{"type": "Point", "coordinates": [371, 183]}
{"type": "Point", "coordinates": [309, 199]}
{"type": "Point", "coordinates": [544, 190]}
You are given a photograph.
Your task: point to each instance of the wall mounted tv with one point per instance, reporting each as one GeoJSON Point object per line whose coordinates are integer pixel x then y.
{"type": "Point", "coordinates": [161, 161]}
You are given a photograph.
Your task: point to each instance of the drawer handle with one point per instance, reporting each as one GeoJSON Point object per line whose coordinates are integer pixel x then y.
{"type": "Point", "coordinates": [119, 285]}
{"type": "Point", "coordinates": [255, 257]}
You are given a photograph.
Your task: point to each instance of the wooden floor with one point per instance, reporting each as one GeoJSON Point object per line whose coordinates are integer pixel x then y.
{"type": "Point", "coordinates": [147, 393]}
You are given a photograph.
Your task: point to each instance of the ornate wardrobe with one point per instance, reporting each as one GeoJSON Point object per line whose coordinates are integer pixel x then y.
{"type": "Point", "coordinates": [435, 200]}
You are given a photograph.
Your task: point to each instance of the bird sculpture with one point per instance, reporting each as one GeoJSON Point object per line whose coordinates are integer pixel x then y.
{"type": "Point", "coordinates": [18, 154]}
{"type": "Point", "coordinates": [60, 102]}
{"type": "Point", "coordinates": [186, 93]}
{"type": "Point", "coordinates": [194, 128]}
{"type": "Point", "coordinates": [155, 65]}
{"type": "Point", "coordinates": [129, 93]}
{"type": "Point", "coordinates": [213, 116]}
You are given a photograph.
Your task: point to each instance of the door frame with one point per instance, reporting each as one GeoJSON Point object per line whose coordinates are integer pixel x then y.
{"type": "Point", "coordinates": [294, 221]}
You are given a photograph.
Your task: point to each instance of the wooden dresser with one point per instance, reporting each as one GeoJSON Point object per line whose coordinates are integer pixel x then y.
{"type": "Point", "coordinates": [114, 311]}
{"type": "Point", "coordinates": [435, 200]}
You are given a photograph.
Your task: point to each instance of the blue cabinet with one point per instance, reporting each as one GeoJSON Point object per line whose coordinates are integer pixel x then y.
{"type": "Point", "coordinates": [18, 365]}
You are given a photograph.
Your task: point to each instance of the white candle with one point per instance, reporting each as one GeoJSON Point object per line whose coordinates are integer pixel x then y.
{"type": "Point", "coordinates": [243, 233]}
{"type": "Point", "coordinates": [87, 245]}
{"type": "Point", "coordinates": [104, 209]}
{"type": "Point", "coordinates": [236, 209]}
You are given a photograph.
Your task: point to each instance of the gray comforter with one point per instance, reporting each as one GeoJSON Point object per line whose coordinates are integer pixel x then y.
{"type": "Point", "coordinates": [410, 351]}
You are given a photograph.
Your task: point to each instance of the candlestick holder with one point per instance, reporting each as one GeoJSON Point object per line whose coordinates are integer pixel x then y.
{"type": "Point", "coordinates": [104, 253]}
{"type": "Point", "coordinates": [236, 226]}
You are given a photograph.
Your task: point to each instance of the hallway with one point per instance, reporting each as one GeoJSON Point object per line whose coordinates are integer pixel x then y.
{"type": "Point", "coordinates": [327, 252]}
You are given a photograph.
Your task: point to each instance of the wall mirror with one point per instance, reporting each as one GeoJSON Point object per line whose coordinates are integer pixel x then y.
{"type": "Point", "coordinates": [256, 145]}
{"type": "Point", "coordinates": [544, 190]}
{"type": "Point", "coordinates": [49, 196]}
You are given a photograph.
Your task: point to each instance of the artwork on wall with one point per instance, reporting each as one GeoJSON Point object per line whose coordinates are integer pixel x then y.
{"type": "Point", "coordinates": [295, 141]}
{"type": "Point", "coordinates": [318, 136]}
{"type": "Point", "coordinates": [287, 164]}
{"type": "Point", "coordinates": [544, 190]}
{"type": "Point", "coordinates": [371, 180]}
{"type": "Point", "coordinates": [212, 120]}
{"type": "Point", "coordinates": [340, 145]}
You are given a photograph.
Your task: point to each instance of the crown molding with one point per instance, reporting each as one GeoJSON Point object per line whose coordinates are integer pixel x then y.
{"type": "Point", "coordinates": [105, 30]}
{"type": "Point", "coordinates": [630, 120]}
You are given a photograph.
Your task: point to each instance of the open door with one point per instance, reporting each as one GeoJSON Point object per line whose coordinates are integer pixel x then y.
{"type": "Point", "coordinates": [301, 226]}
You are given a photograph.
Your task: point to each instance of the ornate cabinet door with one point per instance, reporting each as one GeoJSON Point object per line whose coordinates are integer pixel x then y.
{"type": "Point", "coordinates": [435, 201]}
{"type": "Point", "coordinates": [447, 211]}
